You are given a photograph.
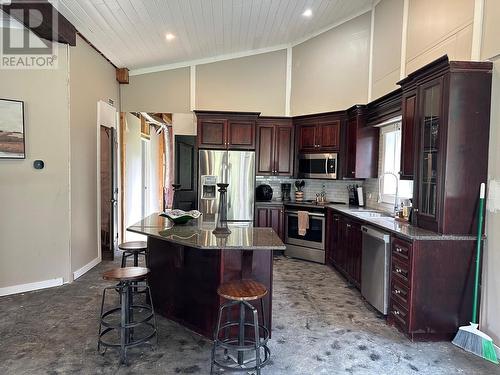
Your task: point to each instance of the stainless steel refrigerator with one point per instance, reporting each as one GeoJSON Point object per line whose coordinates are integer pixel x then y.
{"type": "Point", "coordinates": [236, 168]}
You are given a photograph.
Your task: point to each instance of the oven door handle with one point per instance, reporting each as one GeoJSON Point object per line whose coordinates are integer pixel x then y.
{"type": "Point", "coordinates": [313, 214]}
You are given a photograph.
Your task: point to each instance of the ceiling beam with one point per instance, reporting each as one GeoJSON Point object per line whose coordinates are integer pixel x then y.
{"type": "Point", "coordinates": [44, 16]}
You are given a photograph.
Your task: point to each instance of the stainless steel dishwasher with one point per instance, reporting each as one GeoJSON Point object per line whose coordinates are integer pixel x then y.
{"type": "Point", "coordinates": [375, 268]}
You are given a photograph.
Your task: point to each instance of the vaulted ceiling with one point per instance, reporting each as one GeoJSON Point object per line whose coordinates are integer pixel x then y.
{"type": "Point", "coordinates": [133, 33]}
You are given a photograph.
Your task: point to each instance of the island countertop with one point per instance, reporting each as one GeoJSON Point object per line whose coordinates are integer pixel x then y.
{"type": "Point", "coordinates": [198, 233]}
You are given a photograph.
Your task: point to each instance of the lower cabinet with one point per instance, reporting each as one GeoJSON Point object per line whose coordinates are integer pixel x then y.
{"type": "Point", "coordinates": [270, 215]}
{"type": "Point", "coordinates": [430, 287]}
{"type": "Point", "coordinates": [344, 246]}
{"type": "Point", "coordinates": [431, 280]}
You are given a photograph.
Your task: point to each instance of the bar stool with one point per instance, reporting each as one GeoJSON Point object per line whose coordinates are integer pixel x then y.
{"type": "Point", "coordinates": [234, 331]}
{"type": "Point", "coordinates": [133, 248]}
{"type": "Point", "coordinates": [130, 332]}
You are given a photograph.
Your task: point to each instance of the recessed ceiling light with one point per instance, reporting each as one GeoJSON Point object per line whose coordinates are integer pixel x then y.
{"type": "Point", "coordinates": [170, 36]}
{"type": "Point", "coordinates": [307, 13]}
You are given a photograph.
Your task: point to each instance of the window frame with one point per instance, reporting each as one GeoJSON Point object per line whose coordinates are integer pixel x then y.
{"type": "Point", "coordinates": [394, 126]}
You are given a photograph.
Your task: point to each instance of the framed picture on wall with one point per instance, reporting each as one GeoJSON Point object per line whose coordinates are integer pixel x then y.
{"type": "Point", "coordinates": [12, 129]}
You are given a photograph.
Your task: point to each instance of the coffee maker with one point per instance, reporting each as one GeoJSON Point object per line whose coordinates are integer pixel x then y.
{"type": "Point", "coordinates": [285, 191]}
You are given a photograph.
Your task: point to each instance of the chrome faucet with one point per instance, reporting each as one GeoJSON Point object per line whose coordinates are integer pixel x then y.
{"type": "Point", "coordinates": [396, 198]}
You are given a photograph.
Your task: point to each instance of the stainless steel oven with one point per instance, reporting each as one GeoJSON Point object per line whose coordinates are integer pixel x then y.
{"type": "Point", "coordinates": [311, 246]}
{"type": "Point", "coordinates": [318, 165]}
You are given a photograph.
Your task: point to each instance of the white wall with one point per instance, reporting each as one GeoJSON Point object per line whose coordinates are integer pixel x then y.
{"type": "Point", "coordinates": [184, 123]}
{"type": "Point", "coordinates": [490, 300]}
{"type": "Point", "coordinates": [254, 83]}
{"type": "Point", "coordinates": [330, 71]}
{"type": "Point", "coordinates": [490, 303]}
{"type": "Point", "coordinates": [436, 28]}
{"type": "Point", "coordinates": [167, 91]}
{"type": "Point", "coordinates": [92, 78]}
{"type": "Point", "coordinates": [387, 38]}
{"type": "Point", "coordinates": [34, 214]}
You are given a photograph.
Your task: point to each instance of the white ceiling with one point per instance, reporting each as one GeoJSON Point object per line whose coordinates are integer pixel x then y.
{"type": "Point", "coordinates": [131, 33]}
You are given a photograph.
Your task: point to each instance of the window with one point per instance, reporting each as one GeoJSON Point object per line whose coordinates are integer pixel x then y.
{"type": "Point", "coordinates": [390, 165]}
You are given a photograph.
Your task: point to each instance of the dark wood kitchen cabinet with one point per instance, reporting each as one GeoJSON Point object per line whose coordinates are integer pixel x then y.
{"type": "Point", "coordinates": [447, 103]}
{"type": "Point", "coordinates": [344, 246]}
{"type": "Point", "coordinates": [430, 287]}
{"type": "Point", "coordinates": [274, 146]}
{"type": "Point", "coordinates": [409, 107]}
{"type": "Point", "coordinates": [270, 215]}
{"type": "Point", "coordinates": [226, 130]}
{"type": "Point", "coordinates": [361, 145]}
{"type": "Point", "coordinates": [319, 133]}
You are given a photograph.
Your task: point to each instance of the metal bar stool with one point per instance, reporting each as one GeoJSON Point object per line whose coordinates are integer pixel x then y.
{"type": "Point", "coordinates": [129, 334]}
{"type": "Point", "coordinates": [238, 335]}
{"type": "Point", "coordinates": [133, 248]}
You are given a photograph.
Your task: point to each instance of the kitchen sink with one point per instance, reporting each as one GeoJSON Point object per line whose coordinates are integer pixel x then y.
{"type": "Point", "coordinates": [371, 214]}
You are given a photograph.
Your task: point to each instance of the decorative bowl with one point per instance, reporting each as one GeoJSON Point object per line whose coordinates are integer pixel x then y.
{"type": "Point", "coordinates": [180, 216]}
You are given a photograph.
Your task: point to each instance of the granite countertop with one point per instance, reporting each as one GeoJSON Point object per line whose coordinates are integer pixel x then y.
{"type": "Point", "coordinates": [402, 229]}
{"type": "Point", "coordinates": [198, 233]}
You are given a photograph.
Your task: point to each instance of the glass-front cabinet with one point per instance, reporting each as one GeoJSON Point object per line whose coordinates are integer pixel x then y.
{"type": "Point", "coordinates": [429, 151]}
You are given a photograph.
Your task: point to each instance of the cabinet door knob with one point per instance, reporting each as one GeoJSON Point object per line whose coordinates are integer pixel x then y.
{"type": "Point", "coordinates": [397, 291]}
{"type": "Point", "coordinates": [395, 312]}
{"type": "Point", "coordinates": [399, 250]}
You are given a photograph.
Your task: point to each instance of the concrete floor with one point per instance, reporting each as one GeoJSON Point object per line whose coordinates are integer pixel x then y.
{"type": "Point", "coordinates": [320, 326]}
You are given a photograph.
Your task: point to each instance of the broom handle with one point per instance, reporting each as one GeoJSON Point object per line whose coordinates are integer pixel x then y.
{"type": "Point", "coordinates": [478, 252]}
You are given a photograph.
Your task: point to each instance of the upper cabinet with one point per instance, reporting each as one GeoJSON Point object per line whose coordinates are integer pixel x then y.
{"type": "Point", "coordinates": [226, 130]}
{"type": "Point", "coordinates": [360, 152]}
{"type": "Point", "coordinates": [318, 133]}
{"type": "Point", "coordinates": [446, 119]}
{"type": "Point", "coordinates": [274, 145]}
{"type": "Point", "coordinates": [408, 119]}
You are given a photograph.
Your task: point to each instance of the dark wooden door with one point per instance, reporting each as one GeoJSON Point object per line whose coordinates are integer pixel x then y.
{"type": "Point", "coordinates": [186, 172]}
{"type": "Point", "coordinates": [212, 133]}
{"type": "Point", "coordinates": [241, 134]}
{"type": "Point", "coordinates": [355, 240]}
{"type": "Point", "coordinates": [108, 192]}
{"type": "Point", "coordinates": [307, 137]}
{"type": "Point", "coordinates": [328, 135]}
{"type": "Point", "coordinates": [350, 154]}
{"type": "Point", "coordinates": [265, 150]}
{"type": "Point", "coordinates": [407, 136]}
{"type": "Point", "coordinates": [335, 239]}
{"type": "Point", "coordinates": [262, 217]}
{"type": "Point", "coordinates": [283, 154]}
{"type": "Point", "coordinates": [276, 218]}
{"type": "Point", "coordinates": [343, 247]}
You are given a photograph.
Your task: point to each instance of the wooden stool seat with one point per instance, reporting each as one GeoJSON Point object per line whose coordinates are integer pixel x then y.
{"type": "Point", "coordinates": [126, 274]}
{"type": "Point", "coordinates": [242, 290]}
{"type": "Point", "coordinates": [133, 246]}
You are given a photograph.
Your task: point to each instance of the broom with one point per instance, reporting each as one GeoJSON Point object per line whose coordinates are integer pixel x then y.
{"type": "Point", "coordinates": [470, 338]}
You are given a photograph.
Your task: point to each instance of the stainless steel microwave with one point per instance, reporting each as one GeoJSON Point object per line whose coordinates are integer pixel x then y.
{"type": "Point", "coordinates": [318, 166]}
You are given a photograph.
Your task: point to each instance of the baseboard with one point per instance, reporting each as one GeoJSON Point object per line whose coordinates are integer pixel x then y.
{"type": "Point", "coordinates": [15, 289]}
{"type": "Point", "coordinates": [86, 268]}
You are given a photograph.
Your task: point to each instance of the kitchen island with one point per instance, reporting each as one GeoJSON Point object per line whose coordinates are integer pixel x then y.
{"type": "Point", "coordinates": [188, 262]}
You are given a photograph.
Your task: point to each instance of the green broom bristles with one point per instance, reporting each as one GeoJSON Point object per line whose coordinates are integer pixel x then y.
{"type": "Point", "coordinates": [471, 339]}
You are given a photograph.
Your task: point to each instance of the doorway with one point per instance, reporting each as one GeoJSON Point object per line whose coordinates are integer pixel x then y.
{"type": "Point", "coordinates": [145, 176]}
{"type": "Point", "coordinates": [109, 192]}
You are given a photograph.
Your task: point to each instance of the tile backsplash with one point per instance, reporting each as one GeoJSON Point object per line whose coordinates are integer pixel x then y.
{"type": "Point", "coordinates": [336, 191]}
